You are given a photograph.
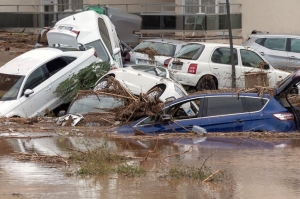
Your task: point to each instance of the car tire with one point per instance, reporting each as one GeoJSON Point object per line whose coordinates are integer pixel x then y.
{"type": "Point", "coordinates": [206, 83]}
{"type": "Point", "coordinates": [103, 84]}
{"type": "Point", "coordinates": [155, 92]}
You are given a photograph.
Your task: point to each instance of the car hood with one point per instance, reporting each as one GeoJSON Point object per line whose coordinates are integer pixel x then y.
{"type": "Point", "coordinates": [284, 87]}
{"type": "Point", "coordinates": [61, 36]}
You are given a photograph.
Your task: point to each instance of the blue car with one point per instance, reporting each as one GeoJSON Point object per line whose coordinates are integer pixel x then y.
{"type": "Point", "coordinates": [225, 112]}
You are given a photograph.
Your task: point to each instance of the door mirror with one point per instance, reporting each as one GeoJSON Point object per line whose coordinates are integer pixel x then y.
{"type": "Point", "coordinates": [116, 51]}
{"type": "Point", "coordinates": [266, 66]}
{"type": "Point", "coordinates": [165, 118]}
{"type": "Point", "coordinates": [28, 92]}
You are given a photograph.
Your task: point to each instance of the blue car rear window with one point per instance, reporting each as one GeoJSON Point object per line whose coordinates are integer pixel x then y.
{"type": "Point", "coordinates": [255, 104]}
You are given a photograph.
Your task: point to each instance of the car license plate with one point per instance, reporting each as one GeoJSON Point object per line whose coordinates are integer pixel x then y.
{"type": "Point", "coordinates": [147, 62]}
{"type": "Point", "coordinates": [65, 28]}
{"type": "Point", "coordinates": [176, 67]}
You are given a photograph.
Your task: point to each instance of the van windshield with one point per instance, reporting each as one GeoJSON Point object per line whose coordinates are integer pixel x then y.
{"type": "Point", "coordinates": [10, 86]}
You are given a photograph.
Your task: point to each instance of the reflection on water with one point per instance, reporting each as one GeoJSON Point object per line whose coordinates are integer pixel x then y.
{"type": "Point", "coordinates": [256, 168]}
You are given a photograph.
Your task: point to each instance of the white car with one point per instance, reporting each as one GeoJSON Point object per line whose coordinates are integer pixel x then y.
{"type": "Point", "coordinates": [28, 82]}
{"type": "Point", "coordinates": [97, 31]}
{"type": "Point", "coordinates": [207, 66]}
{"type": "Point", "coordinates": [139, 79]}
{"type": "Point", "coordinates": [165, 49]}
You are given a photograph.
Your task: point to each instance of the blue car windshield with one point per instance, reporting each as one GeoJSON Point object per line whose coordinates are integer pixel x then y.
{"type": "Point", "coordinates": [10, 86]}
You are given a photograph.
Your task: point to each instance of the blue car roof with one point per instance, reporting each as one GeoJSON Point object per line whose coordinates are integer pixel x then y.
{"type": "Point", "coordinates": [215, 94]}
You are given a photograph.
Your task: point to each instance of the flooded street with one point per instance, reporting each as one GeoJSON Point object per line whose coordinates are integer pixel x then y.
{"type": "Point", "coordinates": [252, 168]}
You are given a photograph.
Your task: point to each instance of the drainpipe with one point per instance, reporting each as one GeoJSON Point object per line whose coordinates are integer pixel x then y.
{"type": "Point", "coordinates": [233, 76]}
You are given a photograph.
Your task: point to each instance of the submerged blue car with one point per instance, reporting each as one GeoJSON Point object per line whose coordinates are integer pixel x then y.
{"type": "Point", "coordinates": [225, 112]}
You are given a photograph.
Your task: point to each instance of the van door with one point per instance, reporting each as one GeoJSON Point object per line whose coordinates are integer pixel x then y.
{"type": "Point", "coordinates": [293, 55]}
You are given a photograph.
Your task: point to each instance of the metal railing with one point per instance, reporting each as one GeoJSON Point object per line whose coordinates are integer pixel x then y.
{"type": "Point", "coordinates": [156, 17]}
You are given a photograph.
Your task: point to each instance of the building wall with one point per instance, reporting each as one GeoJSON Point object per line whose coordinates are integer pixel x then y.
{"type": "Point", "coordinates": [273, 16]}
{"type": "Point", "coordinates": [22, 8]}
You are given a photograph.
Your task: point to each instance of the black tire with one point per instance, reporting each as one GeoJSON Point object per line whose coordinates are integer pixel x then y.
{"type": "Point", "coordinates": [206, 83]}
{"type": "Point", "coordinates": [102, 84]}
{"type": "Point", "coordinates": [155, 92]}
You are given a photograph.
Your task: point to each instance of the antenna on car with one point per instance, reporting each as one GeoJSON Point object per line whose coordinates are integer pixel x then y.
{"type": "Point", "coordinates": [73, 17]}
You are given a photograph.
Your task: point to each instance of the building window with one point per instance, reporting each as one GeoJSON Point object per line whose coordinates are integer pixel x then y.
{"type": "Point", "coordinates": [69, 5]}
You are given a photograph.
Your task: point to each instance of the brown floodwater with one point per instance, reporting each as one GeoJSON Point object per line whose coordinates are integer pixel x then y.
{"type": "Point", "coordinates": [253, 168]}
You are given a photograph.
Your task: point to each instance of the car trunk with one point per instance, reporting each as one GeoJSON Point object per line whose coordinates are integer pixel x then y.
{"type": "Point", "coordinates": [61, 36]}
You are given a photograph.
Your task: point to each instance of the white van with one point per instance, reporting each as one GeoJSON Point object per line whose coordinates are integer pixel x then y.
{"type": "Point", "coordinates": [97, 31]}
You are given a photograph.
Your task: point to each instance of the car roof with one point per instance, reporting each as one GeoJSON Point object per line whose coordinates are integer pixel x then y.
{"type": "Point", "coordinates": [30, 60]}
{"type": "Point", "coordinates": [216, 95]}
{"type": "Point", "coordinates": [162, 40]}
{"type": "Point", "coordinates": [273, 35]}
{"type": "Point", "coordinates": [216, 44]}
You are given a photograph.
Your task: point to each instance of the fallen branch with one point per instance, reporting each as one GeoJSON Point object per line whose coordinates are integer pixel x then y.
{"type": "Point", "coordinates": [174, 154]}
{"type": "Point", "coordinates": [209, 177]}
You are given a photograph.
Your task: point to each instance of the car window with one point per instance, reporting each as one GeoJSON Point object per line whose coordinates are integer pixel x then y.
{"type": "Point", "coordinates": [222, 56]}
{"type": "Point", "coordinates": [259, 41]}
{"type": "Point", "coordinates": [250, 58]}
{"type": "Point", "coordinates": [157, 71]}
{"type": "Point", "coordinates": [295, 45]}
{"type": "Point", "coordinates": [224, 105]}
{"type": "Point", "coordinates": [94, 103]}
{"type": "Point", "coordinates": [57, 64]}
{"type": "Point", "coordinates": [34, 79]}
{"type": "Point", "coordinates": [104, 34]}
{"type": "Point", "coordinates": [166, 49]}
{"type": "Point", "coordinates": [255, 104]}
{"type": "Point", "coordinates": [10, 86]}
{"type": "Point", "coordinates": [190, 51]}
{"type": "Point", "coordinates": [276, 43]}
{"type": "Point", "coordinates": [100, 49]}
{"type": "Point", "coordinates": [185, 110]}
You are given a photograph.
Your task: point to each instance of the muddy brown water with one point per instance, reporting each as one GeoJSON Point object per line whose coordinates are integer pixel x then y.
{"type": "Point", "coordinates": [255, 168]}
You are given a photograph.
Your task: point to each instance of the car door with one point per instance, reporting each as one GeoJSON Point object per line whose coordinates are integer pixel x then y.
{"type": "Point", "coordinates": [225, 114]}
{"type": "Point", "coordinates": [274, 50]}
{"type": "Point", "coordinates": [36, 103]}
{"type": "Point", "coordinates": [220, 65]}
{"type": "Point", "coordinates": [293, 61]}
{"type": "Point", "coordinates": [183, 116]}
{"type": "Point", "coordinates": [251, 62]}
{"type": "Point", "coordinates": [60, 69]}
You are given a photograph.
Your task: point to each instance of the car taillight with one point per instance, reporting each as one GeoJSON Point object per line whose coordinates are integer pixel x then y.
{"type": "Point", "coordinates": [127, 57]}
{"type": "Point", "coordinates": [95, 54]}
{"type": "Point", "coordinates": [75, 31]}
{"type": "Point", "coordinates": [192, 68]}
{"type": "Point", "coordinates": [284, 116]}
{"type": "Point", "coordinates": [166, 62]}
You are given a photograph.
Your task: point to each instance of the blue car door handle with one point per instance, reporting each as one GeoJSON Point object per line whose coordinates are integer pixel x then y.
{"type": "Point", "coordinates": [238, 121]}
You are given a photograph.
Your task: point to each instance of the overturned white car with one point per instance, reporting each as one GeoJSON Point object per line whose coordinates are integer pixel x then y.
{"type": "Point", "coordinates": [28, 82]}
{"type": "Point", "coordinates": [154, 80]}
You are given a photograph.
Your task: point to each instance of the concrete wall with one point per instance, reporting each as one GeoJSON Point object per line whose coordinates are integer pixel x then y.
{"type": "Point", "coordinates": [274, 16]}
{"type": "Point", "coordinates": [22, 8]}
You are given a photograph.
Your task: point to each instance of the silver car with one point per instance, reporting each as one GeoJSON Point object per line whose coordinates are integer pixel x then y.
{"type": "Point", "coordinates": [282, 51]}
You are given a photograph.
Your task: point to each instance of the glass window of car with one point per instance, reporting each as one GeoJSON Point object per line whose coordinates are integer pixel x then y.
{"type": "Point", "coordinates": [224, 105]}
{"type": "Point", "coordinates": [190, 51]}
{"type": "Point", "coordinates": [157, 71]}
{"type": "Point", "coordinates": [10, 86]}
{"type": "Point", "coordinates": [57, 64]}
{"type": "Point", "coordinates": [100, 49]}
{"type": "Point", "coordinates": [185, 110]}
{"type": "Point", "coordinates": [222, 56]}
{"type": "Point", "coordinates": [94, 104]}
{"type": "Point", "coordinates": [165, 49]}
{"type": "Point", "coordinates": [189, 109]}
{"type": "Point", "coordinates": [255, 104]}
{"type": "Point", "coordinates": [250, 58]}
{"type": "Point", "coordinates": [259, 41]}
{"type": "Point", "coordinates": [34, 79]}
{"type": "Point", "coordinates": [105, 35]}
{"type": "Point", "coordinates": [276, 43]}
{"type": "Point", "coordinates": [295, 45]}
